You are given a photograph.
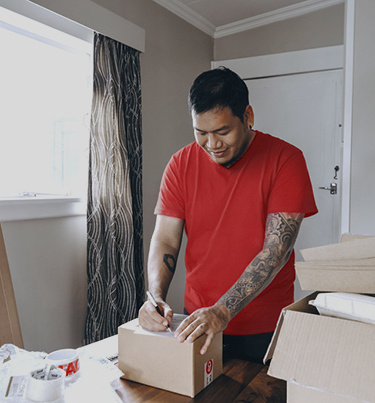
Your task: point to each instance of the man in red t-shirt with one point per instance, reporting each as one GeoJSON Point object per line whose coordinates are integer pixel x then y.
{"type": "Point", "coordinates": [241, 196]}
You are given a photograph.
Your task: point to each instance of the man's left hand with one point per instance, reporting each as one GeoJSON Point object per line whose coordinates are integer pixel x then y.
{"type": "Point", "coordinates": [210, 321]}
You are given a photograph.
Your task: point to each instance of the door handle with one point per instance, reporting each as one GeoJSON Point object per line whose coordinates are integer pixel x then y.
{"type": "Point", "coordinates": [332, 188]}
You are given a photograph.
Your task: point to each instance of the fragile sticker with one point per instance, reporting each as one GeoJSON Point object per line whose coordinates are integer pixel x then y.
{"type": "Point", "coordinates": [208, 372]}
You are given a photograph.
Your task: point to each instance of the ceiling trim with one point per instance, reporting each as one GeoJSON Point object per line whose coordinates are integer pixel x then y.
{"type": "Point", "coordinates": [188, 15]}
{"type": "Point", "coordinates": [274, 16]}
{"type": "Point", "coordinates": [278, 64]}
{"type": "Point", "coordinates": [229, 29]}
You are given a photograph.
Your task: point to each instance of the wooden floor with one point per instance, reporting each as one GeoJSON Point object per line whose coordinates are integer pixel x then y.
{"type": "Point", "coordinates": [241, 382]}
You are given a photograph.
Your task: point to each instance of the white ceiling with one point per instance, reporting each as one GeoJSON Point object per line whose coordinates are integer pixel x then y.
{"type": "Point", "coordinates": [225, 17]}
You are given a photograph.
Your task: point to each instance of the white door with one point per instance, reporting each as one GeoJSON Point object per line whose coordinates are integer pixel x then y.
{"type": "Point", "coordinates": [305, 110]}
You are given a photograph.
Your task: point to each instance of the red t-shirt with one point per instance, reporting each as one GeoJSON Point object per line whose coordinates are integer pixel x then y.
{"type": "Point", "coordinates": [225, 211]}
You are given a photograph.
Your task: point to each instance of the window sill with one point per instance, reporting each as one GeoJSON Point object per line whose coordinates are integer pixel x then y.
{"type": "Point", "coordinates": [33, 208]}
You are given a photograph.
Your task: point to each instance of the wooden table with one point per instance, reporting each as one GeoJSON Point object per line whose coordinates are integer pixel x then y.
{"type": "Point", "coordinates": [241, 382]}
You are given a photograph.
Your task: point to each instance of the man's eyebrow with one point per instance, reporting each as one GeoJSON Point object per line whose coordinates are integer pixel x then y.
{"type": "Point", "coordinates": [215, 131]}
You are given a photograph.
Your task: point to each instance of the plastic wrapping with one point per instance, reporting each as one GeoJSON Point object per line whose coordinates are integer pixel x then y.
{"type": "Point", "coordinates": [92, 385]}
{"type": "Point", "coordinates": [350, 306]}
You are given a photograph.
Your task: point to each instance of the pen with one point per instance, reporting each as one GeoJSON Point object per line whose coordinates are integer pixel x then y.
{"type": "Point", "coordinates": [153, 302]}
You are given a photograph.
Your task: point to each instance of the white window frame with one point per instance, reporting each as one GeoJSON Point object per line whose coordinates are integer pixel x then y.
{"type": "Point", "coordinates": [44, 206]}
{"type": "Point", "coordinates": [40, 207]}
{"type": "Point", "coordinates": [79, 18]}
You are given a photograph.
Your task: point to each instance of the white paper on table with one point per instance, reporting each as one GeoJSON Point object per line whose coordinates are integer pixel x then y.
{"type": "Point", "coordinates": [176, 320]}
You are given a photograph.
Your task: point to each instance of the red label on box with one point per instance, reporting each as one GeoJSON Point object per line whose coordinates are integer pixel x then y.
{"type": "Point", "coordinates": [208, 372]}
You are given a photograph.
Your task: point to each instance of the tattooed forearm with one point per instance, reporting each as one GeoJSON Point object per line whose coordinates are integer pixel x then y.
{"type": "Point", "coordinates": [170, 262]}
{"type": "Point", "coordinates": [281, 233]}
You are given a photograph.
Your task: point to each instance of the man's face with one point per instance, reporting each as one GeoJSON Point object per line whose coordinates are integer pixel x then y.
{"type": "Point", "coordinates": [222, 135]}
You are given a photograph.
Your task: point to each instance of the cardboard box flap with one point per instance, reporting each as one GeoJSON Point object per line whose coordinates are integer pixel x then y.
{"type": "Point", "coordinates": [300, 305]}
{"type": "Point", "coordinates": [326, 353]}
{"type": "Point", "coordinates": [360, 279]}
{"type": "Point", "coordinates": [357, 249]}
{"type": "Point", "coordinates": [365, 264]}
{"type": "Point", "coordinates": [352, 237]}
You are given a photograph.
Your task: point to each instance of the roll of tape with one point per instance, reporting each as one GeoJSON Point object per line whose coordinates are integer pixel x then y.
{"type": "Point", "coordinates": [66, 359]}
{"type": "Point", "coordinates": [40, 389]}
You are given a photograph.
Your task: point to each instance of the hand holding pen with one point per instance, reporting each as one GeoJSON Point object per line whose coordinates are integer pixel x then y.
{"type": "Point", "coordinates": [154, 303]}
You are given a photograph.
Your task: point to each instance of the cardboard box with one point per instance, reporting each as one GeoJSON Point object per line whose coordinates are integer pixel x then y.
{"type": "Point", "coordinates": [300, 394]}
{"type": "Point", "coordinates": [358, 279]}
{"type": "Point", "coordinates": [348, 266]}
{"type": "Point", "coordinates": [363, 248]}
{"type": "Point", "coordinates": [159, 360]}
{"type": "Point", "coordinates": [326, 359]}
{"type": "Point", "coordinates": [353, 237]}
{"type": "Point", "coordinates": [323, 359]}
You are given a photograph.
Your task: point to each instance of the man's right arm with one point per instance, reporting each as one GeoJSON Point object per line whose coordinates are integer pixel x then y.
{"type": "Point", "coordinates": [164, 248]}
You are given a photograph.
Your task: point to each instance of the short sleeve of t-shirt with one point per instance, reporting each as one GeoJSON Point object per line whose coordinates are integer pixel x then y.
{"type": "Point", "coordinates": [292, 190]}
{"type": "Point", "coordinates": [170, 201]}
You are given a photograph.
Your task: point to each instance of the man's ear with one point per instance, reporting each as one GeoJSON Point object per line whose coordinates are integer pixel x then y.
{"type": "Point", "coordinates": [249, 116]}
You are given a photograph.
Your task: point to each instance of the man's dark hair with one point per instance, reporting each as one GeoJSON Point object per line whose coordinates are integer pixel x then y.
{"type": "Point", "coordinates": [217, 89]}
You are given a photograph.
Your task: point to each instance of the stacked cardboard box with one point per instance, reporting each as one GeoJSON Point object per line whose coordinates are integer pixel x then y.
{"type": "Point", "coordinates": [347, 266]}
{"type": "Point", "coordinates": [326, 359]}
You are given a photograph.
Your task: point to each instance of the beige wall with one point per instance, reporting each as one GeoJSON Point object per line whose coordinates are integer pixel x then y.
{"type": "Point", "coordinates": [47, 260]}
{"type": "Point", "coordinates": [362, 217]}
{"type": "Point", "coordinates": [317, 29]}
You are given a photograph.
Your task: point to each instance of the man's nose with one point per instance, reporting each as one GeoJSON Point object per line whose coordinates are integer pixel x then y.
{"type": "Point", "coordinates": [213, 141]}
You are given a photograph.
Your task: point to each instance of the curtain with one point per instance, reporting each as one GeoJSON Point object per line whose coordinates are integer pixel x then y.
{"type": "Point", "coordinates": [115, 270]}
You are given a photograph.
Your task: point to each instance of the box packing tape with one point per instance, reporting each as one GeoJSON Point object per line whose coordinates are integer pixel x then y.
{"type": "Point", "coordinates": [66, 359]}
{"type": "Point", "coordinates": [40, 389]}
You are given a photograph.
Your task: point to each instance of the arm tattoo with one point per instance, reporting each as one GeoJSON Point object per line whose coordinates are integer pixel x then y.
{"type": "Point", "coordinates": [281, 233]}
{"type": "Point", "coordinates": [171, 266]}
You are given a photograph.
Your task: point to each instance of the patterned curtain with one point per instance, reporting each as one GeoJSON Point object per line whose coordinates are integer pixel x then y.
{"type": "Point", "coordinates": [115, 212]}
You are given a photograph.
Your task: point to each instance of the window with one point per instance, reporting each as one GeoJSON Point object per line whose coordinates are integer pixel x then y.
{"type": "Point", "coordinates": [45, 101]}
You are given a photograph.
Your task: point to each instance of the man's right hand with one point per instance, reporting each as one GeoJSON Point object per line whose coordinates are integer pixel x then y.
{"type": "Point", "coordinates": [149, 318]}
{"type": "Point", "coordinates": [164, 248]}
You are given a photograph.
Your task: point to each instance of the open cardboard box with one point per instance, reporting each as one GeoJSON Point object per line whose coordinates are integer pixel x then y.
{"type": "Point", "coordinates": [159, 360]}
{"type": "Point", "coordinates": [324, 359]}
